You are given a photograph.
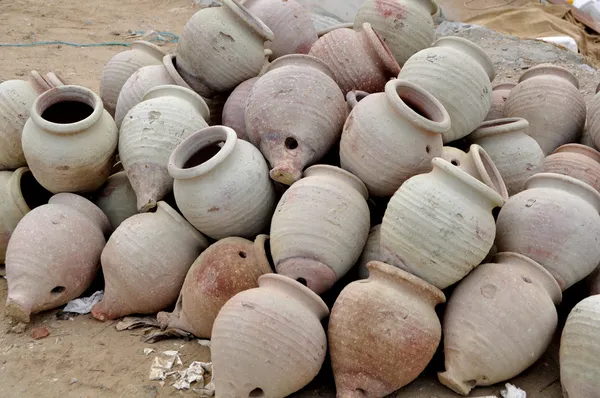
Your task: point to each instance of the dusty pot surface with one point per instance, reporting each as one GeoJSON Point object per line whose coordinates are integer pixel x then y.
{"type": "Point", "coordinates": [499, 95]}
{"type": "Point", "coordinates": [149, 134]}
{"type": "Point", "coordinates": [478, 164]}
{"type": "Point", "coordinates": [458, 73]}
{"type": "Point", "coordinates": [439, 226]}
{"type": "Point", "coordinates": [592, 128]}
{"type": "Point", "coordinates": [320, 226]}
{"type": "Point", "coordinates": [555, 222]}
{"type": "Point", "coordinates": [69, 230]}
{"type": "Point", "coordinates": [297, 126]}
{"type": "Point", "coordinates": [117, 199]}
{"type": "Point", "coordinates": [240, 37]}
{"type": "Point", "coordinates": [368, 330]}
{"type": "Point", "coordinates": [576, 160]}
{"type": "Point", "coordinates": [229, 266]}
{"type": "Point", "coordinates": [290, 22]}
{"type": "Point", "coordinates": [234, 111]}
{"type": "Point", "coordinates": [359, 60]}
{"type": "Point", "coordinates": [499, 320]}
{"type": "Point", "coordinates": [580, 350]}
{"type": "Point", "coordinates": [515, 154]}
{"type": "Point", "coordinates": [268, 341]}
{"type": "Point", "coordinates": [121, 66]}
{"type": "Point", "coordinates": [548, 97]}
{"type": "Point", "coordinates": [222, 190]}
{"type": "Point", "coordinates": [145, 262]}
{"type": "Point", "coordinates": [406, 26]}
{"type": "Point", "coordinates": [371, 252]}
{"type": "Point", "coordinates": [69, 140]}
{"type": "Point", "coordinates": [406, 137]}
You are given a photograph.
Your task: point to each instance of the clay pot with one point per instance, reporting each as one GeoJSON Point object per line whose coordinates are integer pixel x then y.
{"type": "Point", "coordinates": [145, 262]}
{"type": "Point", "coordinates": [290, 22]}
{"type": "Point", "coordinates": [117, 199]}
{"type": "Point", "coordinates": [555, 222]}
{"type": "Point", "coordinates": [359, 60]}
{"type": "Point", "coordinates": [478, 164]}
{"type": "Point", "coordinates": [16, 99]}
{"type": "Point", "coordinates": [268, 341]}
{"type": "Point", "coordinates": [579, 350]}
{"type": "Point", "coordinates": [295, 114]}
{"type": "Point", "coordinates": [215, 106]}
{"type": "Point", "coordinates": [410, 121]}
{"type": "Point", "coordinates": [548, 97]}
{"type": "Point", "coordinates": [516, 155]}
{"type": "Point", "coordinates": [458, 73]}
{"type": "Point", "coordinates": [371, 252]}
{"type": "Point", "coordinates": [235, 108]}
{"type": "Point", "coordinates": [439, 226]}
{"type": "Point", "coordinates": [226, 268]}
{"type": "Point", "coordinates": [240, 38]}
{"type": "Point", "coordinates": [121, 66]}
{"type": "Point", "coordinates": [151, 131]}
{"type": "Point", "coordinates": [586, 138]}
{"type": "Point", "coordinates": [320, 226]}
{"type": "Point", "coordinates": [499, 95]}
{"type": "Point", "coordinates": [222, 190]}
{"type": "Point", "coordinates": [499, 320]}
{"type": "Point", "coordinates": [576, 160]}
{"type": "Point", "coordinates": [368, 330]}
{"type": "Point", "coordinates": [19, 193]}
{"type": "Point", "coordinates": [592, 282]}
{"type": "Point", "coordinates": [406, 26]}
{"type": "Point", "coordinates": [70, 231]}
{"type": "Point", "coordinates": [69, 141]}
{"type": "Point", "coordinates": [593, 121]}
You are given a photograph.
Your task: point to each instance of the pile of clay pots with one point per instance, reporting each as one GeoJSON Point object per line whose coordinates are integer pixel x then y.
{"type": "Point", "coordinates": [242, 177]}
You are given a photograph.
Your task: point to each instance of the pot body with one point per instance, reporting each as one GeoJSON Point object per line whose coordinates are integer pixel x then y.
{"type": "Point", "coordinates": [117, 199]}
{"type": "Point", "coordinates": [235, 108]}
{"type": "Point", "coordinates": [371, 252]}
{"type": "Point", "coordinates": [499, 95]}
{"type": "Point", "coordinates": [576, 160]}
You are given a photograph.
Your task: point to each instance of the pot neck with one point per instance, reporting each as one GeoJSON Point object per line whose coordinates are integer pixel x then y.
{"type": "Point", "coordinates": [580, 149]}
{"type": "Point", "coordinates": [16, 191]}
{"type": "Point", "coordinates": [186, 94]}
{"type": "Point", "coordinates": [163, 208]}
{"type": "Point", "coordinates": [377, 47]}
{"type": "Point", "coordinates": [504, 86]}
{"type": "Point", "coordinates": [471, 49]}
{"type": "Point", "coordinates": [487, 171]}
{"type": "Point", "coordinates": [257, 26]}
{"type": "Point", "coordinates": [500, 126]}
{"type": "Point", "coordinates": [85, 207]}
{"type": "Point", "coordinates": [170, 62]}
{"type": "Point", "coordinates": [148, 48]}
{"type": "Point", "coordinates": [301, 61]}
{"type": "Point", "coordinates": [296, 291]}
{"type": "Point", "coordinates": [339, 175]}
{"type": "Point", "coordinates": [260, 251]}
{"type": "Point", "coordinates": [567, 184]}
{"type": "Point", "coordinates": [546, 70]}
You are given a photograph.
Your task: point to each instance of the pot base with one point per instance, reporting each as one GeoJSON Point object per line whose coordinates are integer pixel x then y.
{"type": "Point", "coordinates": [459, 387]}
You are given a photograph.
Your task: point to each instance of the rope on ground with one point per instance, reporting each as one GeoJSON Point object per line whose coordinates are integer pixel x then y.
{"type": "Point", "coordinates": [165, 37]}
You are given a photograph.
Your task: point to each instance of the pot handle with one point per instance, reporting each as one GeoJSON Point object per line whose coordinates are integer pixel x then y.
{"type": "Point", "coordinates": [268, 54]}
{"type": "Point", "coordinates": [354, 97]}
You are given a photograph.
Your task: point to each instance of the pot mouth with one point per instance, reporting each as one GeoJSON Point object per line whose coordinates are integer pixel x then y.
{"type": "Point", "coordinates": [201, 152]}
{"type": "Point", "coordinates": [383, 52]}
{"type": "Point", "coordinates": [67, 109]}
{"type": "Point", "coordinates": [149, 48]}
{"type": "Point", "coordinates": [170, 63]}
{"type": "Point", "coordinates": [27, 193]}
{"type": "Point", "coordinates": [488, 171]}
{"type": "Point", "coordinates": [354, 97]}
{"type": "Point", "coordinates": [258, 26]}
{"type": "Point", "coordinates": [418, 106]}
{"type": "Point", "coordinates": [500, 126]}
{"type": "Point", "coordinates": [579, 149]}
{"type": "Point", "coordinates": [344, 175]}
{"type": "Point", "coordinates": [567, 184]}
{"type": "Point", "coordinates": [504, 86]}
{"type": "Point", "coordinates": [547, 69]}
{"type": "Point", "coordinates": [187, 94]}
{"type": "Point", "coordinates": [471, 49]}
{"type": "Point", "coordinates": [260, 251]}
{"type": "Point", "coordinates": [178, 218]}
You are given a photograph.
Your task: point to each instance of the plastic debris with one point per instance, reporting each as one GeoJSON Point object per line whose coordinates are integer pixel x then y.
{"type": "Point", "coordinates": [84, 305]}
{"type": "Point", "coordinates": [207, 391]}
{"type": "Point", "coordinates": [193, 374]}
{"type": "Point", "coordinates": [148, 351]}
{"type": "Point", "coordinates": [162, 365]}
{"type": "Point", "coordinates": [512, 391]}
{"type": "Point", "coordinates": [132, 322]}
{"type": "Point", "coordinates": [204, 343]}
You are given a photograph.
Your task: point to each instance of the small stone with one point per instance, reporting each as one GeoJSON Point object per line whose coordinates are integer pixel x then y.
{"type": "Point", "coordinates": [18, 328]}
{"type": "Point", "coordinates": [20, 73]}
{"type": "Point", "coordinates": [115, 33]}
{"type": "Point", "coordinates": [504, 48]}
{"type": "Point", "coordinates": [74, 380]}
{"type": "Point", "coordinates": [39, 333]}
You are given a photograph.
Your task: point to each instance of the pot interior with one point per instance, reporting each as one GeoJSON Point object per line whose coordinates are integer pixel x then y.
{"type": "Point", "coordinates": [67, 112]}
{"type": "Point", "coordinates": [203, 155]}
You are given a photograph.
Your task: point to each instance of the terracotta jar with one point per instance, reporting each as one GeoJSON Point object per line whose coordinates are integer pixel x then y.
{"type": "Point", "coordinates": [227, 267]}
{"type": "Point", "coordinates": [240, 37]}
{"type": "Point", "coordinates": [16, 99]}
{"type": "Point", "coordinates": [268, 341]}
{"type": "Point", "coordinates": [592, 282]}
{"type": "Point", "coordinates": [499, 95]}
{"type": "Point", "coordinates": [499, 320]}
{"type": "Point", "coordinates": [151, 131]}
{"type": "Point", "coordinates": [359, 60]}
{"type": "Point", "coordinates": [406, 26]}
{"type": "Point", "coordinates": [295, 114]}
{"type": "Point", "coordinates": [586, 138]}
{"type": "Point", "coordinates": [576, 160]}
{"type": "Point", "coordinates": [320, 226]}
{"type": "Point", "coordinates": [407, 136]}
{"type": "Point", "coordinates": [145, 262]}
{"type": "Point", "coordinates": [580, 350]}
{"type": "Point", "coordinates": [478, 164]}
{"type": "Point", "coordinates": [439, 226]}
{"type": "Point", "coordinates": [555, 222]}
{"type": "Point", "coordinates": [234, 111]}
{"type": "Point", "coordinates": [117, 199]}
{"type": "Point", "coordinates": [70, 231]}
{"type": "Point", "coordinates": [122, 66]}
{"type": "Point", "coordinates": [371, 252]}
{"type": "Point", "coordinates": [592, 128]}
{"type": "Point", "coordinates": [548, 97]}
{"type": "Point", "coordinates": [516, 155]}
{"type": "Point", "coordinates": [69, 141]}
{"type": "Point", "coordinates": [222, 190]}
{"type": "Point", "coordinates": [458, 73]}
{"type": "Point", "coordinates": [19, 193]}
{"type": "Point", "coordinates": [369, 327]}
{"type": "Point", "coordinates": [290, 22]}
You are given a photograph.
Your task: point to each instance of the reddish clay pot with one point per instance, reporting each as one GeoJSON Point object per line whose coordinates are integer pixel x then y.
{"type": "Point", "coordinates": [235, 108]}
{"type": "Point", "coordinates": [578, 161]}
{"type": "Point", "coordinates": [499, 95]}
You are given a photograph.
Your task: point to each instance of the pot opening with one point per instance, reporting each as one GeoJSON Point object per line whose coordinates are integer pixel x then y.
{"type": "Point", "coordinates": [58, 290]}
{"type": "Point", "coordinates": [34, 194]}
{"type": "Point", "coordinates": [302, 281]}
{"type": "Point", "coordinates": [203, 155]}
{"type": "Point", "coordinates": [291, 143]}
{"type": "Point", "coordinates": [257, 392]}
{"type": "Point", "coordinates": [242, 254]}
{"type": "Point", "coordinates": [455, 162]}
{"type": "Point", "coordinates": [498, 122]}
{"type": "Point", "coordinates": [420, 104]}
{"type": "Point", "coordinates": [67, 112]}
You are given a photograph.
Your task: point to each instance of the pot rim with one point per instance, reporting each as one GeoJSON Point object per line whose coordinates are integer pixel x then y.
{"type": "Point", "coordinates": [579, 149]}
{"type": "Point", "coordinates": [169, 62]}
{"type": "Point", "coordinates": [548, 69]}
{"type": "Point", "coordinates": [149, 48]}
{"type": "Point", "coordinates": [484, 165]}
{"type": "Point", "coordinates": [353, 97]}
{"type": "Point", "coordinates": [341, 25]}
{"type": "Point", "coordinates": [15, 189]}
{"type": "Point", "coordinates": [505, 125]}
{"type": "Point", "coordinates": [471, 49]}
{"type": "Point", "coordinates": [261, 253]}
{"type": "Point", "coordinates": [178, 218]}
{"type": "Point", "coordinates": [383, 52]}
{"type": "Point", "coordinates": [352, 180]}
{"type": "Point", "coordinates": [191, 96]}
{"type": "Point", "coordinates": [258, 26]}
{"type": "Point", "coordinates": [504, 86]}
{"type": "Point", "coordinates": [588, 193]}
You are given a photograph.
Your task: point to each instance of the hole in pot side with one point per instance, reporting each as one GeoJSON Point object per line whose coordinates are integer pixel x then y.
{"type": "Point", "coordinates": [58, 289]}
{"type": "Point", "coordinates": [291, 143]}
{"type": "Point", "coordinates": [242, 254]}
{"type": "Point", "coordinates": [203, 155]}
{"type": "Point", "coordinates": [66, 112]}
{"type": "Point", "coordinates": [257, 392]}
{"type": "Point", "coordinates": [34, 194]}
{"type": "Point", "coordinates": [302, 281]}
{"type": "Point", "coordinates": [420, 104]}
{"type": "Point", "coordinates": [455, 162]}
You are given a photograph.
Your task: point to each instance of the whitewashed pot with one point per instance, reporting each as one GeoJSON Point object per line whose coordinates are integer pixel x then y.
{"type": "Point", "coordinates": [117, 199]}
{"type": "Point", "coordinates": [500, 93]}
{"type": "Point", "coordinates": [235, 108]}
{"type": "Point", "coordinates": [371, 252]}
